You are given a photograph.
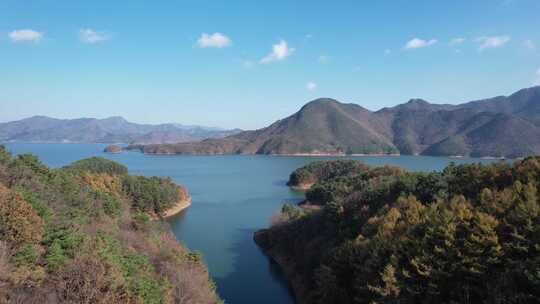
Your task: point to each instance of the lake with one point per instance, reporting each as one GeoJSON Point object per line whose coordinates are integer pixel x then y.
{"type": "Point", "coordinates": [233, 196]}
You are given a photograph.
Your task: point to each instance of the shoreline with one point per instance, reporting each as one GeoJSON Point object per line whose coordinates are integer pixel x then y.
{"type": "Point", "coordinates": [302, 187]}
{"type": "Point", "coordinates": [335, 154]}
{"type": "Point", "coordinates": [294, 279]}
{"type": "Point", "coordinates": [272, 155]}
{"type": "Point", "coordinates": [316, 155]}
{"type": "Point", "coordinates": [124, 149]}
{"type": "Point", "coordinates": [177, 208]}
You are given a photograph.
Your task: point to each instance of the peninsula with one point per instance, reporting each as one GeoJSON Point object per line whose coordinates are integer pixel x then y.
{"type": "Point", "coordinates": [468, 234]}
{"type": "Point", "coordinates": [83, 234]}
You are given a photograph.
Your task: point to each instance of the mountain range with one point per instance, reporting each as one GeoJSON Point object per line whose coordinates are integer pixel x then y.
{"type": "Point", "coordinates": [108, 130]}
{"type": "Point", "coordinates": [503, 126]}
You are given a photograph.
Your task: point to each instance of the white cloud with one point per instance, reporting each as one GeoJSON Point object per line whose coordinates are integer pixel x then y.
{"type": "Point", "coordinates": [279, 52]}
{"type": "Point", "coordinates": [308, 36]}
{"type": "Point", "coordinates": [457, 41]}
{"type": "Point", "coordinates": [537, 80]}
{"type": "Point", "coordinates": [417, 43]}
{"type": "Point", "coordinates": [387, 51]}
{"type": "Point", "coordinates": [311, 86]}
{"type": "Point", "coordinates": [492, 42]}
{"type": "Point", "coordinates": [216, 40]}
{"type": "Point", "coordinates": [25, 35]}
{"type": "Point", "coordinates": [529, 44]}
{"type": "Point", "coordinates": [91, 36]}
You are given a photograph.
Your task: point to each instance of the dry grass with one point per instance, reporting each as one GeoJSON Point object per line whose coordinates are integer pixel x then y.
{"type": "Point", "coordinates": [88, 280]}
{"type": "Point", "coordinates": [5, 267]}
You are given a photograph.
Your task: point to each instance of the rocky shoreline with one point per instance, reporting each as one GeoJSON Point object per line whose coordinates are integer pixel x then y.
{"type": "Point", "coordinates": [177, 208]}
{"type": "Point", "coordinates": [302, 186]}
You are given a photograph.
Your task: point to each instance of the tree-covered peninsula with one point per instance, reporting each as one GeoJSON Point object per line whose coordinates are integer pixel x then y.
{"type": "Point", "coordinates": [84, 234]}
{"type": "Point", "coordinates": [467, 234]}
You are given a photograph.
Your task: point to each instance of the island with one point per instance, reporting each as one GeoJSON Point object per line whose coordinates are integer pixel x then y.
{"type": "Point", "coordinates": [84, 234]}
{"type": "Point", "coordinates": [113, 149]}
{"type": "Point", "coordinates": [466, 234]}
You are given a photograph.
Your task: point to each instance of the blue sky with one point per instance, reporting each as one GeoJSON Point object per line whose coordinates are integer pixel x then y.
{"type": "Point", "coordinates": [248, 63]}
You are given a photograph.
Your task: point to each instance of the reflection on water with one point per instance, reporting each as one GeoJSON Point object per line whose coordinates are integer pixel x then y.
{"type": "Point", "coordinates": [232, 196]}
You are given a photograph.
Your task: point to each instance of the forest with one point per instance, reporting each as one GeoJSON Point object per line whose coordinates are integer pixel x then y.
{"type": "Point", "coordinates": [467, 234]}
{"type": "Point", "coordinates": [91, 233]}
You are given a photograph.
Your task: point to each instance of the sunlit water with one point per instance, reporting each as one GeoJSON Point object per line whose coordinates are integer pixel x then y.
{"type": "Point", "coordinates": [233, 196]}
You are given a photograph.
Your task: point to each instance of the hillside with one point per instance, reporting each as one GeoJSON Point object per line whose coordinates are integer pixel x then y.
{"type": "Point", "coordinates": [108, 130]}
{"type": "Point", "coordinates": [496, 127]}
{"type": "Point", "coordinates": [468, 234]}
{"type": "Point", "coordinates": [84, 234]}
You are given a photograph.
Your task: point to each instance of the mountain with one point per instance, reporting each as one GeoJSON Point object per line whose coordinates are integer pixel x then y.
{"type": "Point", "coordinates": [108, 130]}
{"type": "Point", "coordinates": [496, 127]}
{"type": "Point", "coordinates": [322, 126]}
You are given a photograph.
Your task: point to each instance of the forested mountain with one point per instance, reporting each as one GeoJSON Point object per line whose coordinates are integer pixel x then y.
{"type": "Point", "coordinates": [468, 234]}
{"type": "Point", "coordinates": [108, 130]}
{"type": "Point", "coordinates": [497, 127]}
{"type": "Point", "coordinates": [84, 234]}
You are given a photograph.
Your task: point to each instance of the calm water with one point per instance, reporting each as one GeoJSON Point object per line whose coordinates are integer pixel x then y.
{"type": "Point", "coordinates": [232, 197]}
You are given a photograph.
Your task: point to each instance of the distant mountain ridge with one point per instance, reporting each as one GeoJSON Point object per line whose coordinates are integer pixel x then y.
{"type": "Point", "coordinates": [108, 130]}
{"type": "Point", "coordinates": [503, 126]}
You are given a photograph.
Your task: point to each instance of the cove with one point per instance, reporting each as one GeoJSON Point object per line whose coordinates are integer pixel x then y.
{"type": "Point", "coordinates": [232, 196]}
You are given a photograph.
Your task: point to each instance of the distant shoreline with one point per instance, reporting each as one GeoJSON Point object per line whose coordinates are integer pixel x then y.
{"type": "Point", "coordinates": [124, 149]}
{"type": "Point", "coordinates": [336, 154]}
{"type": "Point", "coordinates": [275, 154]}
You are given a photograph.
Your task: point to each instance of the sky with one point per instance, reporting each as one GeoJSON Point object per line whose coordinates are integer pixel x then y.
{"type": "Point", "coordinates": [245, 64]}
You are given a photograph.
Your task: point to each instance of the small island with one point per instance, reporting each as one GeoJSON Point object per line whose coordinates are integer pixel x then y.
{"type": "Point", "coordinates": [113, 149]}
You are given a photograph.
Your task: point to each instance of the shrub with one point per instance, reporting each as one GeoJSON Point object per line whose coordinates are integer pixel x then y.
{"type": "Point", "coordinates": [88, 279]}
{"type": "Point", "coordinates": [4, 155]}
{"type": "Point", "coordinates": [26, 256]}
{"type": "Point", "coordinates": [136, 269]}
{"type": "Point", "coordinates": [111, 206]}
{"type": "Point", "coordinates": [62, 244]}
{"type": "Point", "coordinates": [39, 206]}
{"type": "Point", "coordinates": [32, 162]}
{"type": "Point", "coordinates": [19, 222]}
{"type": "Point", "coordinates": [288, 213]}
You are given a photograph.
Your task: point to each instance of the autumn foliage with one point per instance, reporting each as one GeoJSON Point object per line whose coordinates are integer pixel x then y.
{"type": "Point", "coordinates": [19, 223]}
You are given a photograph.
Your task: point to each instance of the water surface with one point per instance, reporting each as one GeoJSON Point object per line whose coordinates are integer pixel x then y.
{"type": "Point", "coordinates": [233, 196]}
